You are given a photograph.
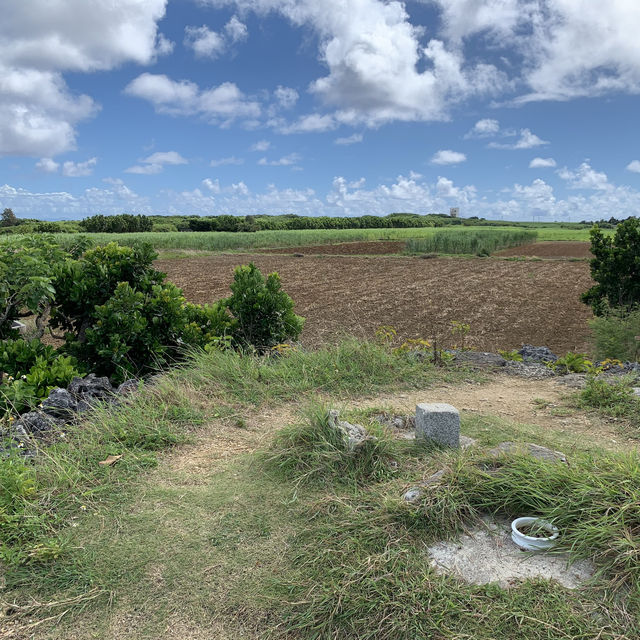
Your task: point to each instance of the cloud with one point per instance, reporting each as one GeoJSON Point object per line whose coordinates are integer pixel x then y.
{"type": "Point", "coordinates": [352, 139]}
{"type": "Point", "coordinates": [219, 105]}
{"type": "Point", "coordinates": [311, 123]}
{"type": "Point", "coordinates": [634, 166]}
{"type": "Point", "coordinates": [211, 185]}
{"type": "Point", "coordinates": [379, 68]}
{"type": "Point", "coordinates": [286, 97]}
{"type": "Point", "coordinates": [47, 165]}
{"type": "Point", "coordinates": [585, 177]}
{"type": "Point", "coordinates": [236, 30]}
{"type": "Point", "coordinates": [261, 145]}
{"type": "Point", "coordinates": [446, 156]}
{"type": "Point", "coordinates": [527, 140]}
{"type": "Point", "coordinates": [156, 162]}
{"type": "Point", "coordinates": [286, 161]}
{"type": "Point", "coordinates": [211, 44]}
{"type": "Point", "coordinates": [204, 42]}
{"type": "Point", "coordinates": [542, 163]}
{"type": "Point", "coordinates": [225, 161]}
{"type": "Point", "coordinates": [569, 49]}
{"type": "Point", "coordinates": [79, 169]}
{"type": "Point", "coordinates": [484, 128]}
{"type": "Point", "coordinates": [39, 40]}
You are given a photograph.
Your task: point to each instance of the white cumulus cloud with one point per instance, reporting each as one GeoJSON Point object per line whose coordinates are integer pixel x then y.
{"type": "Point", "coordinates": [527, 140]}
{"type": "Point", "coordinates": [156, 162]}
{"type": "Point", "coordinates": [79, 169]}
{"type": "Point", "coordinates": [352, 139]}
{"type": "Point", "coordinates": [446, 156]}
{"type": "Point", "coordinates": [542, 163]}
{"type": "Point", "coordinates": [634, 166]}
{"type": "Point", "coordinates": [286, 161]}
{"type": "Point", "coordinates": [39, 40]}
{"type": "Point", "coordinates": [219, 105]}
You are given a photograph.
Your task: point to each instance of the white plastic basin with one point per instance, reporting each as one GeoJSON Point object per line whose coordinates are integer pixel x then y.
{"type": "Point", "coordinates": [538, 542]}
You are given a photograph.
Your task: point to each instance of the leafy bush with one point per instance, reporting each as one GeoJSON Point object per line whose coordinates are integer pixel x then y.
{"type": "Point", "coordinates": [26, 279]}
{"type": "Point", "coordinates": [262, 310]}
{"type": "Point", "coordinates": [612, 397]}
{"type": "Point", "coordinates": [123, 223]}
{"type": "Point", "coordinates": [31, 370]}
{"type": "Point", "coordinates": [81, 285]}
{"type": "Point", "coordinates": [614, 334]}
{"type": "Point", "coordinates": [615, 268]}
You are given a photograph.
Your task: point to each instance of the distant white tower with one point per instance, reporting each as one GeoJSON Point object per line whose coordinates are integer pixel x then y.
{"type": "Point", "coordinates": [454, 212]}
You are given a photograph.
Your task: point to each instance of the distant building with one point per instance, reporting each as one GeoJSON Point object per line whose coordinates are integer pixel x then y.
{"type": "Point", "coordinates": [454, 212]}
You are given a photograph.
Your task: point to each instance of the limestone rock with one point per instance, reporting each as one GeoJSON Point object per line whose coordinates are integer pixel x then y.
{"type": "Point", "coordinates": [60, 404]}
{"type": "Point", "coordinates": [534, 450]}
{"type": "Point", "coordinates": [355, 435]}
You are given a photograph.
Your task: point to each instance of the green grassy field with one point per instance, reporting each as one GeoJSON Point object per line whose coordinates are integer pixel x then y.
{"type": "Point", "coordinates": [223, 241]}
{"type": "Point", "coordinates": [234, 514]}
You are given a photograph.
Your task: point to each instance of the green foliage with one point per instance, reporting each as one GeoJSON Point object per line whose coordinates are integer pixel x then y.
{"type": "Point", "coordinates": [572, 362]}
{"type": "Point", "coordinates": [26, 278]}
{"type": "Point", "coordinates": [614, 334]}
{"type": "Point", "coordinates": [615, 268]}
{"type": "Point", "coordinates": [31, 369]}
{"type": "Point", "coordinates": [81, 285]}
{"type": "Point", "coordinates": [613, 397]}
{"type": "Point", "coordinates": [134, 332]}
{"type": "Point", "coordinates": [208, 324]}
{"type": "Point", "coordinates": [479, 242]}
{"type": "Point", "coordinates": [8, 218]}
{"type": "Point", "coordinates": [513, 355]}
{"type": "Point", "coordinates": [262, 310]}
{"type": "Point", "coordinates": [123, 223]}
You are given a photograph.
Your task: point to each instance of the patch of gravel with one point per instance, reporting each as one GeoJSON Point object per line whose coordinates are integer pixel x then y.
{"type": "Point", "coordinates": [487, 554]}
{"type": "Point", "coordinates": [531, 370]}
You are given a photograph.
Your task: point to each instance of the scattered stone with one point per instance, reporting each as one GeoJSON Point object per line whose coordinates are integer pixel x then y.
{"type": "Point", "coordinates": [534, 450]}
{"type": "Point", "coordinates": [91, 388]}
{"type": "Point", "coordinates": [439, 423]}
{"type": "Point", "coordinates": [530, 353]}
{"type": "Point", "coordinates": [414, 494]}
{"type": "Point", "coordinates": [636, 391]}
{"type": "Point", "coordinates": [480, 359]}
{"type": "Point", "coordinates": [533, 370]}
{"type": "Point", "coordinates": [395, 421]}
{"type": "Point", "coordinates": [574, 380]}
{"type": "Point", "coordinates": [37, 423]}
{"type": "Point", "coordinates": [60, 404]}
{"type": "Point", "coordinates": [487, 554]}
{"type": "Point", "coordinates": [466, 442]}
{"type": "Point", "coordinates": [128, 387]}
{"type": "Point", "coordinates": [355, 435]}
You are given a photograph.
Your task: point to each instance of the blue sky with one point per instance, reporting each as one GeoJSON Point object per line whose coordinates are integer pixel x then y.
{"type": "Point", "coordinates": [506, 108]}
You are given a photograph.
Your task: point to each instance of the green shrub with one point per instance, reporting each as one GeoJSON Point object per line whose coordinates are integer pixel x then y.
{"type": "Point", "coordinates": [262, 310]}
{"type": "Point", "coordinates": [614, 397]}
{"type": "Point", "coordinates": [26, 279]}
{"type": "Point", "coordinates": [614, 334]}
{"type": "Point", "coordinates": [573, 362]}
{"type": "Point", "coordinates": [164, 227]}
{"type": "Point", "coordinates": [615, 268]}
{"type": "Point", "coordinates": [31, 370]}
{"type": "Point", "coordinates": [208, 324]}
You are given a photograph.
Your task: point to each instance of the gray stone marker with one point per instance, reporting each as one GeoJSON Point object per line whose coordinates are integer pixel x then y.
{"type": "Point", "coordinates": [438, 422]}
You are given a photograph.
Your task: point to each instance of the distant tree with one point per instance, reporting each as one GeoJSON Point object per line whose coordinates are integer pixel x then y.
{"type": "Point", "coordinates": [615, 268]}
{"type": "Point", "coordinates": [8, 218]}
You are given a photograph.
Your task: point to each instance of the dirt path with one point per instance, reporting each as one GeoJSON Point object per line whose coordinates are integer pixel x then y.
{"type": "Point", "coordinates": [531, 402]}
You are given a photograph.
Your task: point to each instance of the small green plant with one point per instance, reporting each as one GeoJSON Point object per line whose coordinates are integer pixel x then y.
{"type": "Point", "coordinates": [614, 397]}
{"type": "Point", "coordinates": [573, 363]}
{"type": "Point", "coordinates": [385, 334]}
{"type": "Point", "coordinates": [615, 334]}
{"type": "Point", "coordinates": [512, 355]}
{"type": "Point", "coordinates": [459, 331]}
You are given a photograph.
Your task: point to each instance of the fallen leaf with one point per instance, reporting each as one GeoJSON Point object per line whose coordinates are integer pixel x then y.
{"type": "Point", "coordinates": [111, 460]}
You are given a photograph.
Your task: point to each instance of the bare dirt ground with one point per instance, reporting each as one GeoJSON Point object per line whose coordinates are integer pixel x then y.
{"type": "Point", "coordinates": [505, 303]}
{"type": "Point", "coordinates": [344, 248]}
{"type": "Point", "coordinates": [549, 250]}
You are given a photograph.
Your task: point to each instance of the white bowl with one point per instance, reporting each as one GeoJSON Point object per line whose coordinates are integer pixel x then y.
{"type": "Point", "coordinates": [534, 543]}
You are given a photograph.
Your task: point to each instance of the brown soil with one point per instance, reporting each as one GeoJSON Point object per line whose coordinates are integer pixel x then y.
{"type": "Point", "coordinates": [505, 303]}
{"type": "Point", "coordinates": [549, 250]}
{"type": "Point", "coordinates": [344, 249]}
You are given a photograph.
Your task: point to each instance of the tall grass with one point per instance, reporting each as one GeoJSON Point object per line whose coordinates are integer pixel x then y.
{"type": "Point", "coordinates": [614, 335]}
{"type": "Point", "coordinates": [470, 241]}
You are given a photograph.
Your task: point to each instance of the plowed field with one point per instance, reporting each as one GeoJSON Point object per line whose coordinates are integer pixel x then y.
{"type": "Point", "coordinates": [506, 303]}
{"type": "Point", "coordinates": [550, 250]}
{"type": "Point", "coordinates": [344, 248]}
